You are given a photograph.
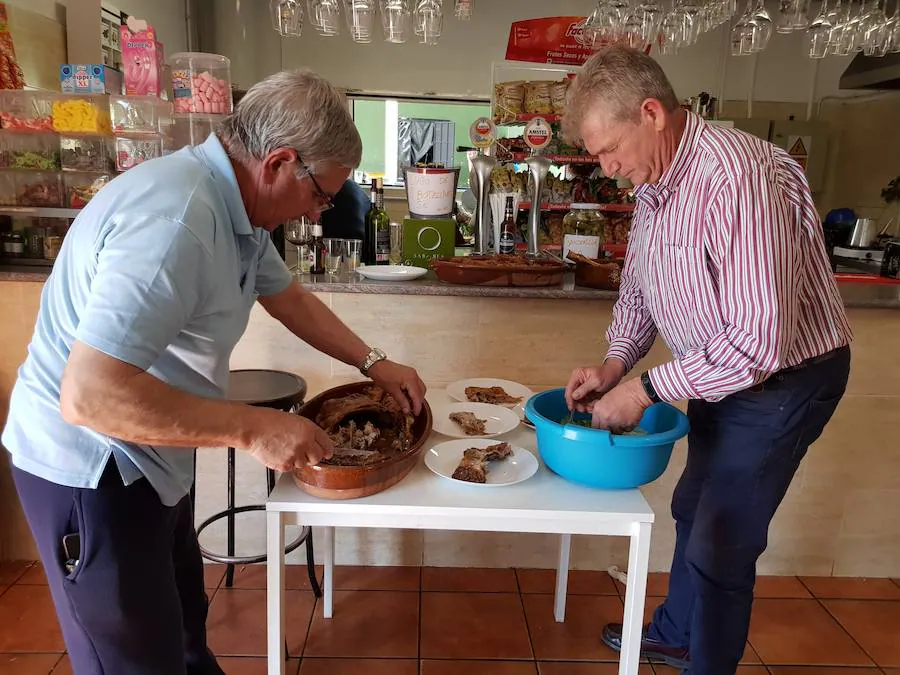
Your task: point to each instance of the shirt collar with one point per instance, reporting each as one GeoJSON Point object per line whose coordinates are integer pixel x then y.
{"type": "Point", "coordinates": [656, 194]}
{"type": "Point", "coordinates": [212, 153]}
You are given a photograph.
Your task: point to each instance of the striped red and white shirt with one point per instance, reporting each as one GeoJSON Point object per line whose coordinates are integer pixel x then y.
{"type": "Point", "coordinates": [726, 261]}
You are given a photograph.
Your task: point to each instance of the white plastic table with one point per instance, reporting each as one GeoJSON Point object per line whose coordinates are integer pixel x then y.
{"type": "Point", "coordinates": [543, 504]}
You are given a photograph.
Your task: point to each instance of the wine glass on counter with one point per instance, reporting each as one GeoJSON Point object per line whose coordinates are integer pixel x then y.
{"type": "Point", "coordinates": [299, 233]}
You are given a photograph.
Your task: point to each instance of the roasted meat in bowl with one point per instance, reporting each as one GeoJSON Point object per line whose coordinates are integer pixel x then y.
{"type": "Point", "coordinates": [376, 445]}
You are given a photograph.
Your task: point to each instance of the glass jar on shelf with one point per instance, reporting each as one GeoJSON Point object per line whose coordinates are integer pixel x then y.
{"type": "Point", "coordinates": [27, 110]}
{"type": "Point", "coordinates": [86, 153]}
{"type": "Point", "coordinates": [134, 114]}
{"type": "Point", "coordinates": [201, 83]}
{"type": "Point", "coordinates": [582, 231]}
{"type": "Point", "coordinates": [135, 149]}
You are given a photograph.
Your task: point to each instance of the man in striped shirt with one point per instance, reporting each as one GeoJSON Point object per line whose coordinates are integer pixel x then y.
{"type": "Point", "coordinates": [726, 261]}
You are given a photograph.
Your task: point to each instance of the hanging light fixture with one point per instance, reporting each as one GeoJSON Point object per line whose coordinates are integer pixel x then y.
{"type": "Point", "coordinates": [287, 17]}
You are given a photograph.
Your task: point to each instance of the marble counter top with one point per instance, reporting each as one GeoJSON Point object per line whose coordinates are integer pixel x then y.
{"type": "Point", "coordinates": [855, 295]}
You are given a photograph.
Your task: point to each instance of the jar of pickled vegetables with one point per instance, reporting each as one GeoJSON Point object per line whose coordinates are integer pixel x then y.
{"type": "Point", "coordinates": [582, 231]}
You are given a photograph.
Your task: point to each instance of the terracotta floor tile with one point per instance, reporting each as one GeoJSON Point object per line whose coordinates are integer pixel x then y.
{"type": "Point", "coordinates": [819, 670]}
{"type": "Point", "coordinates": [296, 577]}
{"type": "Point", "coordinates": [581, 582]}
{"type": "Point", "coordinates": [29, 621]}
{"type": "Point", "coordinates": [661, 669]}
{"type": "Point", "coordinates": [569, 668]}
{"type": "Point", "coordinates": [367, 624]}
{"type": "Point", "coordinates": [891, 671]}
{"type": "Point", "coordinates": [849, 588]}
{"type": "Point", "coordinates": [356, 578]}
{"type": "Point", "coordinates": [578, 637]}
{"type": "Point", "coordinates": [246, 665]}
{"type": "Point", "coordinates": [779, 587]}
{"type": "Point", "coordinates": [874, 624]}
{"type": "Point", "coordinates": [236, 625]}
{"type": "Point", "coordinates": [478, 668]}
{"type": "Point", "coordinates": [657, 585]}
{"type": "Point", "coordinates": [801, 632]}
{"type": "Point", "coordinates": [28, 664]}
{"type": "Point", "coordinates": [213, 574]}
{"type": "Point", "coordinates": [469, 580]}
{"type": "Point", "coordinates": [474, 626]}
{"type": "Point", "coordinates": [359, 667]}
{"type": "Point", "coordinates": [11, 570]}
{"type": "Point", "coordinates": [64, 667]}
{"type": "Point", "coordinates": [34, 576]}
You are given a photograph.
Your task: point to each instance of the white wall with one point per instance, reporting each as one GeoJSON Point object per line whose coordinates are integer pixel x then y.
{"type": "Point", "coordinates": [166, 16]}
{"type": "Point", "coordinates": [53, 9]}
{"type": "Point", "coordinates": [460, 64]}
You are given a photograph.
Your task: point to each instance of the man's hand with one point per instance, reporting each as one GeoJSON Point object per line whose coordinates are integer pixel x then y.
{"type": "Point", "coordinates": [401, 382]}
{"type": "Point", "coordinates": [289, 441]}
{"type": "Point", "coordinates": [587, 385]}
{"type": "Point", "coordinates": [621, 409]}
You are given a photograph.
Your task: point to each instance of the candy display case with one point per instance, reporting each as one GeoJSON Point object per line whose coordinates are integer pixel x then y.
{"type": "Point", "coordinates": [39, 188]}
{"type": "Point", "coordinates": [81, 114]}
{"type": "Point", "coordinates": [81, 187]}
{"type": "Point", "coordinates": [134, 150]}
{"type": "Point", "coordinates": [25, 110]}
{"type": "Point", "coordinates": [134, 114]}
{"type": "Point", "coordinates": [201, 83]}
{"type": "Point", "coordinates": [86, 153]}
{"type": "Point", "coordinates": [190, 129]}
{"type": "Point", "coordinates": [29, 151]}
{"type": "Point", "coordinates": [8, 188]}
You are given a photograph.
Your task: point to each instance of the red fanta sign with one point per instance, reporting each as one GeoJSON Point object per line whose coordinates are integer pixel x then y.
{"type": "Point", "coordinates": [554, 39]}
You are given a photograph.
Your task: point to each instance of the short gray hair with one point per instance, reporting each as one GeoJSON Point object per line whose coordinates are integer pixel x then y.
{"type": "Point", "coordinates": [617, 79]}
{"type": "Point", "coordinates": [293, 109]}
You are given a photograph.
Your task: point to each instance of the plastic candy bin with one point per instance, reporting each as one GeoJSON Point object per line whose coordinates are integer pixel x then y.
{"type": "Point", "coordinates": [201, 83]}
{"type": "Point", "coordinates": [597, 458]}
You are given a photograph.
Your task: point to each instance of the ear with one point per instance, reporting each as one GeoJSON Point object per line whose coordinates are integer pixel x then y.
{"type": "Point", "coordinates": [654, 112]}
{"type": "Point", "coordinates": [276, 160]}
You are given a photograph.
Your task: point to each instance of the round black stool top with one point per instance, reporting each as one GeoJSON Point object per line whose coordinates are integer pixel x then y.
{"type": "Point", "coordinates": [268, 388]}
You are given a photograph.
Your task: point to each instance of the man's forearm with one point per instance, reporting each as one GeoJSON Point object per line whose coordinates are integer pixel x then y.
{"type": "Point", "coordinates": [308, 318]}
{"type": "Point", "coordinates": [124, 402]}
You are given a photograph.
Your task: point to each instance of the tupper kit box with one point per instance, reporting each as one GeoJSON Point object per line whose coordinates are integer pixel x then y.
{"type": "Point", "coordinates": [89, 78]}
{"type": "Point", "coordinates": [142, 58]}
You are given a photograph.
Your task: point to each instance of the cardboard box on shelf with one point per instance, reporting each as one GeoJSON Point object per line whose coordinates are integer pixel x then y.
{"type": "Point", "coordinates": [89, 78]}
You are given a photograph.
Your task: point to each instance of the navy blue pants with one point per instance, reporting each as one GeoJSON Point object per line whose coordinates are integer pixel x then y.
{"type": "Point", "coordinates": [135, 604]}
{"type": "Point", "coordinates": [742, 455]}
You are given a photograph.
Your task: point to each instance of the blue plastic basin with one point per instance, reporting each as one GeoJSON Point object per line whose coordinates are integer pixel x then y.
{"type": "Point", "coordinates": [597, 458]}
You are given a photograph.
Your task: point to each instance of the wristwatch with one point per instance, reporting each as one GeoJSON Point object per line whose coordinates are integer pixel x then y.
{"type": "Point", "coordinates": [648, 388]}
{"type": "Point", "coordinates": [374, 356]}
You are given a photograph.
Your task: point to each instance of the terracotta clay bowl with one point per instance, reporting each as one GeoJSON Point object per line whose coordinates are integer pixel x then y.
{"type": "Point", "coordinates": [353, 482]}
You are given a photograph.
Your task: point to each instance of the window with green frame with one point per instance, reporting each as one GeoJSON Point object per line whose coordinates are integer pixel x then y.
{"type": "Point", "coordinates": [377, 119]}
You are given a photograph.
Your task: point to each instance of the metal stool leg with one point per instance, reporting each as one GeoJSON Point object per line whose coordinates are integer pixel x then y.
{"type": "Point", "coordinates": [194, 493]}
{"type": "Point", "coordinates": [229, 572]}
{"type": "Point", "coordinates": [311, 566]}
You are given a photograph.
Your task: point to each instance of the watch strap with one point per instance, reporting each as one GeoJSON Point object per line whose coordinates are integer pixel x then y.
{"type": "Point", "coordinates": [648, 388]}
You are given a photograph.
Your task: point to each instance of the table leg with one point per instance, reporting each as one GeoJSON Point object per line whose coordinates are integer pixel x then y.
{"type": "Point", "coordinates": [328, 580]}
{"type": "Point", "coordinates": [635, 592]}
{"type": "Point", "coordinates": [562, 577]}
{"type": "Point", "coordinates": [275, 592]}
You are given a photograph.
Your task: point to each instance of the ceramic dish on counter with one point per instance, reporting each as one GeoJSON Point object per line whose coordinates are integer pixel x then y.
{"type": "Point", "coordinates": [333, 481]}
{"type": "Point", "coordinates": [391, 272]}
{"type": "Point", "coordinates": [500, 270]}
{"type": "Point", "coordinates": [457, 391]}
{"type": "Point", "coordinates": [444, 458]}
{"type": "Point", "coordinates": [497, 419]}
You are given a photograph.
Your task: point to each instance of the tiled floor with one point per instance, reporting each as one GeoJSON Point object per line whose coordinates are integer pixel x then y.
{"type": "Point", "coordinates": [412, 621]}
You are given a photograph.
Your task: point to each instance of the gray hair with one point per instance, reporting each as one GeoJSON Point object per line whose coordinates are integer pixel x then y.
{"type": "Point", "coordinates": [293, 109]}
{"type": "Point", "coordinates": [617, 79]}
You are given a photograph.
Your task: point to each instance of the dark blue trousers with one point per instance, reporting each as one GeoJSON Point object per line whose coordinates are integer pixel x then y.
{"type": "Point", "coordinates": [135, 604]}
{"type": "Point", "coordinates": [742, 455]}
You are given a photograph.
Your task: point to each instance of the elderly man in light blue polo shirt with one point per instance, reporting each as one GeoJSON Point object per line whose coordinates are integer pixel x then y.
{"type": "Point", "coordinates": [128, 368]}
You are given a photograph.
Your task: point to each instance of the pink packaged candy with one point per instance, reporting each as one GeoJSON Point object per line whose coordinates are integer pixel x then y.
{"type": "Point", "coordinates": [142, 58]}
{"type": "Point", "coordinates": [201, 83]}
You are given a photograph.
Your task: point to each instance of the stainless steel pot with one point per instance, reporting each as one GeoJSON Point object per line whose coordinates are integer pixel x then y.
{"type": "Point", "coordinates": [864, 233]}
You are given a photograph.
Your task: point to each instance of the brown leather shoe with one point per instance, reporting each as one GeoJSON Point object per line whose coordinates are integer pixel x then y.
{"type": "Point", "coordinates": [651, 650]}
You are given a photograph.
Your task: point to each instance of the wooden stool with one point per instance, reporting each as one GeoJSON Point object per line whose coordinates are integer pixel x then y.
{"type": "Point", "coordinates": [271, 389]}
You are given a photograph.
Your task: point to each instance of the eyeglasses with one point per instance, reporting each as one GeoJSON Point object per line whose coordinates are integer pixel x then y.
{"type": "Point", "coordinates": [326, 200]}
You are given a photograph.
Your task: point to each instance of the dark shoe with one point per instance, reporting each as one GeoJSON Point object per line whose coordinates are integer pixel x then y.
{"type": "Point", "coordinates": [651, 650]}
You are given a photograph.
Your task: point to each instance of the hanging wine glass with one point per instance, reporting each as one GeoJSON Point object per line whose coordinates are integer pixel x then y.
{"type": "Point", "coordinates": [429, 21]}
{"type": "Point", "coordinates": [396, 20]}
{"type": "Point", "coordinates": [819, 33]}
{"type": "Point", "coordinates": [360, 15]}
{"type": "Point", "coordinates": [762, 26]}
{"type": "Point", "coordinates": [892, 31]}
{"type": "Point", "coordinates": [287, 17]}
{"type": "Point", "coordinates": [463, 9]}
{"type": "Point", "coordinates": [651, 13]}
{"type": "Point", "coordinates": [784, 24]}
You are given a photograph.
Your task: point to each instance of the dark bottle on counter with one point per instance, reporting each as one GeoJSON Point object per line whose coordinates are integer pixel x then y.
{"type": "Point", "coordinates": [317, 251]}
{"type": "Point", "coordinates": [368, 245]}
{"type": "Point", "coordinates": [382, 230]}
{"type": "Point", "coordinates": [508, 230]}
{"type": "Point", "coordinates": [278, 240]}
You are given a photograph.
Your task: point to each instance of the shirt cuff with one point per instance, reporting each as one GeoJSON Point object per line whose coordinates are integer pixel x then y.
{"type": "Point", "coordinates": [626, 351]}
{"type": "Point", "coordinates": [671, 383]}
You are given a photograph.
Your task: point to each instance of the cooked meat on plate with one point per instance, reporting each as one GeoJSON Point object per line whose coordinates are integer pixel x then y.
{"type": "Point", "coordinates": [473, 467]}
{"type": "Point", "coordinates": [471, 425]}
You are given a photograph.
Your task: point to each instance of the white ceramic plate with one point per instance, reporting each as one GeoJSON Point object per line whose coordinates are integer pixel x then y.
{"type": "Point", "coordinates": [499, 420]}
{"type": "Point", "coordinates": [391, 272]}
{"type": "Point", "coordinates": [444, 458]}
{"type": "Point", "coordinates": [457, 390]}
